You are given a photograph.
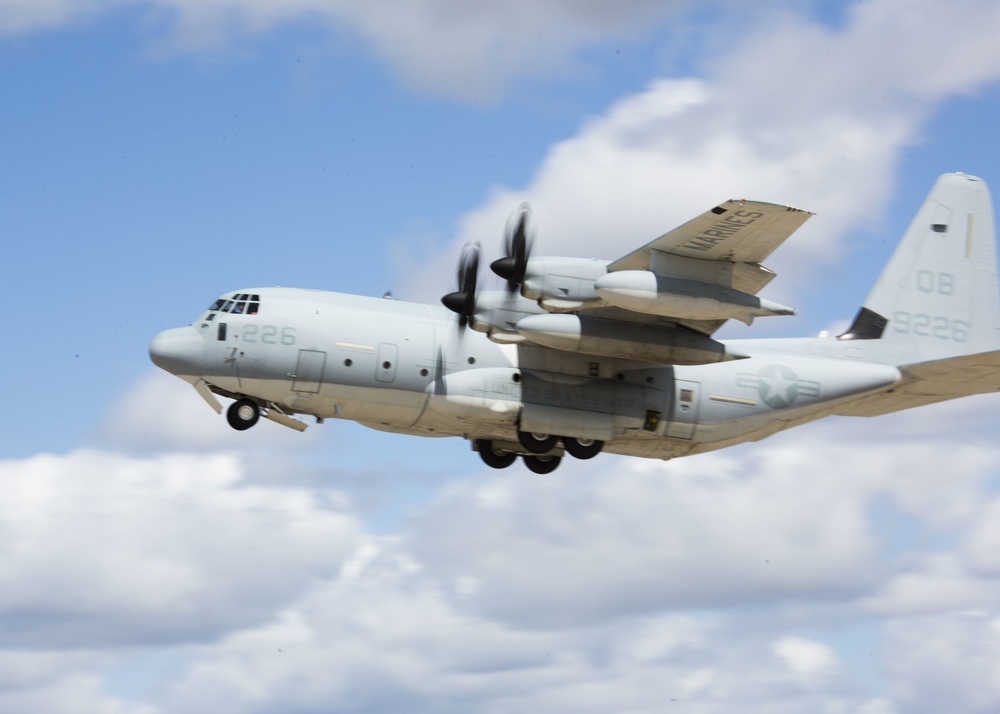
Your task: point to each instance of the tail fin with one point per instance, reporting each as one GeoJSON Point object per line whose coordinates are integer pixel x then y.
{"type": "Point", "coordinates": [938, 297]}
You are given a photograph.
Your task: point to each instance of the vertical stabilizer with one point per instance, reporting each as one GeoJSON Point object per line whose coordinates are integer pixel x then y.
{"type": "Point", "coordinates": [938, 296]}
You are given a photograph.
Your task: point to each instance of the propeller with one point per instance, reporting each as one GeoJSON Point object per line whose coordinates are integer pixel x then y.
{"type": "Point", "coordinates": [517, 248]}
{"type": "Point", "coordinates": [463, 300]}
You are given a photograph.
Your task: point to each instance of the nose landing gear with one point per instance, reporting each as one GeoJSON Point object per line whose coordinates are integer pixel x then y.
{"type": "Point", "coordinates": [243, 414]}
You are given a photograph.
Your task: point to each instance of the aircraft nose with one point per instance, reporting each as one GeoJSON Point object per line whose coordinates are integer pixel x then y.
{"type": "Point", "coordinates": [179, 350]}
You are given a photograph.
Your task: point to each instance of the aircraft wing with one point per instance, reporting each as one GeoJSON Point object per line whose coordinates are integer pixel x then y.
{"type": "Point", "coordinates": [723, 246]}
{"type": "Point", "coordinates": [735, 231]}
{"type": "Point", "coordinates": [660, 303]}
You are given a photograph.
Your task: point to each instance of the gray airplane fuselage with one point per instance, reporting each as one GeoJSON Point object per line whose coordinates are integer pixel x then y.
{"type": "Point", "coordinates": [411, 368]}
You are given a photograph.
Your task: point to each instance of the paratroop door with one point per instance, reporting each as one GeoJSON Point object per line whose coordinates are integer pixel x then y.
{"type": "Point", "coordinates": [309, 371]}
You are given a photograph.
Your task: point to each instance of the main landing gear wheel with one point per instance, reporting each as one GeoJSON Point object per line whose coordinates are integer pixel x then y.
{"type": "Point", "coordinates": [243, 414]}
{"type": "Point", "coordinates": [494, 457]}
{"type": "Point", "coordinates": [542, 464]}
{"type": "Point", "coordinates": [583, 448]}
{"type": "Point", "coordinates": [537, 443]}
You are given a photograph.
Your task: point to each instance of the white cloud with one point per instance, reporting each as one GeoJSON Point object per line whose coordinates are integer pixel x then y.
{"type": "Point", "coordinates": [792, 112]}
{"type": "Point", "coordinates": [945, 662]}
{"type": "Point", "coordinates": [933, 583]}
{"type": "Point", "coordinates": [615, 586]}
{"type": "Point", "coordinates": [694, 533]}
{"type": "Point", "coordinates": [375, 648]}
{"type": "Point", "coordinates": [105, 549]}
{"type": "Point", "coordinates": [807, 658]}
{"type": "Point", "coordinates": [78, 693]}
{"type": "Point", "coordinates": [982, 548]}
{"type": "Point", "coordinates": [472, 49]}
{"type": "Point", "coordinates": [32, 15]}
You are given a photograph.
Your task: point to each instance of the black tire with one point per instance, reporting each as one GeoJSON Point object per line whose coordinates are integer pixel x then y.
{"type": "Point", "coordinates": [542, 464]}
{"type": "Point", "coordinates": [494, 457]}
{"type": "Point", "coordinates": [583, 448]}
{"type": "Point", "coordinates": [243, 414]}
{"type": "Point", "coordinates": [537, 443]}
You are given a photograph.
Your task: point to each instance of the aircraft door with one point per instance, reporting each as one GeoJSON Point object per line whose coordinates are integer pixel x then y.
{"type": "Point", "coordinates": [385, 368]}
{"type": "Point", "coordinates": [309, 371]}
{"type": "Point", "coordinates": [685, 409]}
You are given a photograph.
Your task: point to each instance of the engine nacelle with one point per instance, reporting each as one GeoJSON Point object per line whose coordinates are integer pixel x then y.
{"type": "Point", "coordinates": [563, 284]}
{"type": "Point", "coordinates": [497, 313]}
{"type": "Point", "coordinates": [650, 293]}
{"type": "Point", "coordinates": [608, 338]}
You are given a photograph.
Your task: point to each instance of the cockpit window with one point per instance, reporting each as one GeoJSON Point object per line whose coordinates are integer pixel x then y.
{"type": "Point", "coordinates": [239, 304]}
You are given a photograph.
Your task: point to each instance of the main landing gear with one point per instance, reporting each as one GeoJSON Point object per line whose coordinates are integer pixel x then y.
{"type": "Point", "coordinates": [498, 455]}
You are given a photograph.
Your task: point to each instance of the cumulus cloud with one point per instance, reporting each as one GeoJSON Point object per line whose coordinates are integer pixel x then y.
{"type": "Point", "coordinates": [18, 16]}
{"type": "Point", "coordinates": [809, 659]}
{"type": "Point", "coordinates": [630, 538]}
{"type": "Point", "coordinates": [945, 662]}
{"type": "Point", "coordinates": [390, 639]}
{"type": "Point", "coordinates": [470, 49]}
{"type": "Point", "coordinates": [793, 112]}
{"type": "Point", "coordinates": [620, 586]}
{"type": "Point", "coordinates": [81, 692]}
{"type": "Point", "coordinates": [621, 590]}
{"type": "Point", "coordinates": [932, 583]}
{"type": "Point", "coordinates": [718, 581]}
{"type": "Point", "coordinates": [106, 549]}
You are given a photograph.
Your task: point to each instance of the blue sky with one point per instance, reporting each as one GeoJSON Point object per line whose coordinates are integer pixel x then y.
{"type": "Point", "coordinates": [157, 153]}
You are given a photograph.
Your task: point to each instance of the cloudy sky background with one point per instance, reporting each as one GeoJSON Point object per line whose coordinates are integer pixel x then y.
{"type": "Point", "coordinates": [156, 153]}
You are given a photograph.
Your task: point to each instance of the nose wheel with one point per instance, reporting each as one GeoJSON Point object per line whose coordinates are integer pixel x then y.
{"type": "Point", "coordinates": [243, 414]}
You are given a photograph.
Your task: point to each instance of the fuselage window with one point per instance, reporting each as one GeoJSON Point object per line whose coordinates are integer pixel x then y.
{"type": "Point", "coordinates": [221, 336]}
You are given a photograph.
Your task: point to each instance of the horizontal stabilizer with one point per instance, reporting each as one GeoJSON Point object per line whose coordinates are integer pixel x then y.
{"type": "Point", "coordinates": [932, 382]}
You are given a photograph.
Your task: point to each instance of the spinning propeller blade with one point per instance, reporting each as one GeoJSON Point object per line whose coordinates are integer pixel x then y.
{"type": "Point", "coordinates": [517, 248]}
{"type": "Point", "coordinates": [463, 300]}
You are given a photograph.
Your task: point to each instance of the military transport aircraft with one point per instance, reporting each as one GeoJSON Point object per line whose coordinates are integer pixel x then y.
{"type": "Point", "coordinates": [578, 356]}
